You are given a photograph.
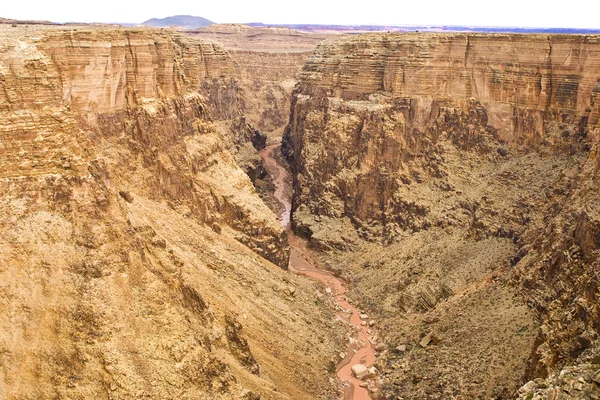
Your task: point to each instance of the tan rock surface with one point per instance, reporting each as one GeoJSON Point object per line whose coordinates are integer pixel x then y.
{"type": "Point", "coordinates": [449, 177]}
{"type": "Point", "coordinates": [133, 249]}
{"type": "Point", "coordinates": [267, 62]}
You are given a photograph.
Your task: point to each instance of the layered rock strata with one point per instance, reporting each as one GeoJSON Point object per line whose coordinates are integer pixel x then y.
{"type": "Point", "coordinates": [389, 97]}
{"type": "Point", "coordinates": [267, 62]}
{"type": "Point", "coordinates": [134, 250]}
{"type": "Point", "coordinates": [469, 158]}
{"type": "Point", "coordinates": [74, 88]}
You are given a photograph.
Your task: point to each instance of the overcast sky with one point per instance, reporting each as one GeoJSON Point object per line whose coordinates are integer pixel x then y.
{"type": "Point", "coordinates": [524, 13]}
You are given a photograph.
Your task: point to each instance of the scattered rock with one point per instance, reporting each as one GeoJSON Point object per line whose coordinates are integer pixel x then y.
{"type": "Point", "coordinates": [502, 151]}
{"type": "Point", "coordinates": [431, 338]}
{"type": "Point", "coordinates": [596, 377]}
{"type": "Point", "coordinates": [360, 371]}
{"type": "Point", "coordinates": [401, 348]}
{"type": "Point", "coordinates": [363, 316]}
{"type": "Point", "coordinates": [372, 371]}
{"type": "Point", "coordinates": [291, 290]}
{"type": "Point", "coordinates": [159, 242]}
{"type": "Point", "coordinates": [372, 322]}
{"type": "Point", "coordinates": [126, 196]}
{"type": "Point", "coordinates": [248, 395]}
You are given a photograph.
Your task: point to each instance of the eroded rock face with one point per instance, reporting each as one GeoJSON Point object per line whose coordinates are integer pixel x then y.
{"type": "Point", "coordinates": [266, 63]}
{"type": "Point", "coordinates": [81, 89]}
{"type": "Point", "coordinates": [267, 80]}
{"type": "Point", "coordinates": [137, 259]}
{"type": "Point", "coordinates": [379, 101]}
{"type": "Point", "coordinates": [443, 174]}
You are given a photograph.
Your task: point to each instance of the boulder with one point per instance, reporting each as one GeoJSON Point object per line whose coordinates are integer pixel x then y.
{"type": "Point", "coordinates": [360, 371]}
{"type": "Point", "coordinates": [430, 338]}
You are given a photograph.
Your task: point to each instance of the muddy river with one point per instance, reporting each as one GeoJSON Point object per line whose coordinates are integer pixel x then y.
{"type": "Point", "coordinates": [360, 348]}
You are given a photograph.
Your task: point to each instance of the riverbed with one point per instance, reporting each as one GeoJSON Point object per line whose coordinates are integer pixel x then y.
{"type": "Point", "coordinates": [361, 349]}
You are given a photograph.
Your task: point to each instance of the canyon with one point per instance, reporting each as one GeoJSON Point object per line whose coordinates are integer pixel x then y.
{"type": "Point", "coordinates": [443, 184]}
{"type": "Point", "coordinates": [137, 258]}
{"type": "Point", "coordinates": [449, 178]}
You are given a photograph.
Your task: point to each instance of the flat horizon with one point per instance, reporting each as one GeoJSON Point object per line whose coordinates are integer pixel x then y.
{"type": "Point", "coordinates": [468, 13]}
{"type": "Point", "coordinates": [325, 25]}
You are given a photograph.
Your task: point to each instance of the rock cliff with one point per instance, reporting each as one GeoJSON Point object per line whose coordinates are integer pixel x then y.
{"type": "Point", "coordinates": [449, 177]}
{"type": "Point", "coordinates": [266, 62]}
{"type": "Point", "coordinates": [137, 259]}
{"type": "Point", "coordinates": [394, 96]}
{"type": "Point", "coordinates": [76, 88]}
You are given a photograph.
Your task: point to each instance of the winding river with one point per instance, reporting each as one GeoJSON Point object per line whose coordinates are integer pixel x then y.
{"type": "Point", "coordinates": [360, 350]}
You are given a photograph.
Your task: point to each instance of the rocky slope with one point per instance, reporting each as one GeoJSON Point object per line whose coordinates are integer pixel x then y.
{"type": "Point", "coordinates": [136, 257]}
{"type": "Point", "coordinates": [266, 64]}
{"type": "Point", "coordinates": [450, 178]}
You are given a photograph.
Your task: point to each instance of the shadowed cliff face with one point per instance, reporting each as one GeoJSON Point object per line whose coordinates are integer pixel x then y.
{"type": "Point", "coordinates": [136, 258]}
{"type": "Point", "coordinates": [266, 62]}
{"type": "Point", "coordinates": [445, 173]}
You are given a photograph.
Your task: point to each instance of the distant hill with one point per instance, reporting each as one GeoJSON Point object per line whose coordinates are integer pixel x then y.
{"type": "Point", "coordinates": [184, 21]}
{"type": "Point", "coordinates": [24, 22]}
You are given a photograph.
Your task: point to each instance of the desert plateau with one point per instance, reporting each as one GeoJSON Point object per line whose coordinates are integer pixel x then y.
{"type": "Point", "coordinates": [243, 211]}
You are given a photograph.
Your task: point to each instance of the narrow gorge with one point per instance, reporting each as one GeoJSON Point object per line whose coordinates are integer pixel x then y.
{"type": "Point", "coordinates": [362, 347]}
{"type": "Point", "coordinates": [439, 226]}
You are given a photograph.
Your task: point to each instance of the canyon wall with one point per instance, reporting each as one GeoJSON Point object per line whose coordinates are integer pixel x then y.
{"type": "Point", "coordinates": [267, 62]}
{"type": "Point", "coordinates": [527, 83]}
{"type": "Point", "coordinates": [448, 177]}
{"type": "Point", "coordinates": [77, 88]}
{"type": "Point", "coordinates": [136, 258]}
{"type": "Point", "coordinates": [389, 97]}
{"type": "Point", "coordinates": [267, 80]}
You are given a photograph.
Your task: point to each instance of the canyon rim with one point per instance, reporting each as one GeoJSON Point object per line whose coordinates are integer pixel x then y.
{"type": "Point", "coordinates": [449, 181]}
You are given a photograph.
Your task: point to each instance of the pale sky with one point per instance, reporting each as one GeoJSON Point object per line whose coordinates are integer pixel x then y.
{"type": "Point", "coordinates": [523, 13]}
